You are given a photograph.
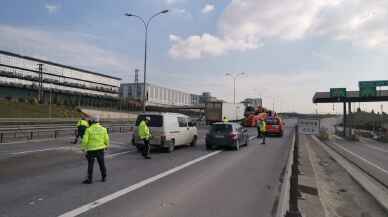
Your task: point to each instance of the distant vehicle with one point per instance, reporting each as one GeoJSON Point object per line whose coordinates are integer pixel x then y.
{"type": "Point", "coordinates": [231, 135]}
{"type": "Point", "coordinates": [216, 111]}
{"type": "Point", "coordinates": [168, 130]}
{"type": "Point", "coordinates": [252, 115]}
{"type": "Point", "coordinates": [275, 126]}
{"type": "Point", "coordinates": [251, 120]}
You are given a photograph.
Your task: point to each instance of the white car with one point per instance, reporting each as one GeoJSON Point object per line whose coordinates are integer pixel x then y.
{"type": "Point", "coordinates": [167, 130]}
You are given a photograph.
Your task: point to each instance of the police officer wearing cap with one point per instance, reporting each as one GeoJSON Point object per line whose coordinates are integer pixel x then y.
{"type": "Point", "coordinates": [82, 125]}
{"type": "Point", "coordinates": [145, 135]}
{"type": "Point", "coordinates": [94, 143]}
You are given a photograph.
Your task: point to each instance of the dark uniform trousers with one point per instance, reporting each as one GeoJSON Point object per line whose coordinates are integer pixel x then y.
{"type": "Point", "coordinates": [90, 156]}
{"type": "Point", "coordinates": [146, 147]}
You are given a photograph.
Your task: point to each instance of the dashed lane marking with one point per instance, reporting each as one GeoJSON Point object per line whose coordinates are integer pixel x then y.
{"type": "Point", "coordinates": [87, 207]}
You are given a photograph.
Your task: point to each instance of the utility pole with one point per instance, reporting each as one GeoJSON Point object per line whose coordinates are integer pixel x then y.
{"type": "Point", "coordinates": [50, 102]}
{"type": "Point", "coordinates": [137, 83]}
{"type": "Point", "coordinates": [40, 86]}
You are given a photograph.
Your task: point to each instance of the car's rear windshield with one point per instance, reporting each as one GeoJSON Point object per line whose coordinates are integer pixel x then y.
{"type": "Point", "coordinates": [272, 121]}
{"type": "Point", "coordinates": [155, 120]}
{"type": "Point", "coordinates": [221, 128]}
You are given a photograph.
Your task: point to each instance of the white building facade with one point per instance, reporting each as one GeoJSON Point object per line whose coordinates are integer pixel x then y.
{"type": "Point", "coordinates": [22, 71]}
{"type": "Point", "coordinates": [159, 96]}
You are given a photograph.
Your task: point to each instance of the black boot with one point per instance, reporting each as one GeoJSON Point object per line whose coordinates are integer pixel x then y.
{"type": "Point", "coordinates": [87, 181]}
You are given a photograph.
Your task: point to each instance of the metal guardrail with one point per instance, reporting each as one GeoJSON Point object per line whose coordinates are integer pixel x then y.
{"type": "Point", "coordinates": [49, 132]}
{"type": "Point", "coordinates": [288, 203]}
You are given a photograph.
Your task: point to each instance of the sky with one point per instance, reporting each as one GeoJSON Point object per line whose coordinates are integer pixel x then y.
{"type": "Point", "coordinates": [287, 49]}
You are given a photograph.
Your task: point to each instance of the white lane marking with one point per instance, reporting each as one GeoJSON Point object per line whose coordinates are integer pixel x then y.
{"type": "Point", "coordinates": [365, 160]}
{"type": "Point", "coordinates": [82, 209]}
{"type": "Point", "coordinates": [252, 138]}
{"type": "Point", "coordinates": [39, 150]}
{"type": "Point", "coordinates": [376, 148]}
{"type": "Point", "coordinates": [364, 142]}
{"type": "Point", "coordinates": [35, 140]}
{"type": "Point", "coordinates": [339, 138]}
{"type": "Point", "coordinates": [119, 143]}
{"type": "Point", "coordinates": [45, 140]}
{"type": "Point", "coordinates": [119, 154]}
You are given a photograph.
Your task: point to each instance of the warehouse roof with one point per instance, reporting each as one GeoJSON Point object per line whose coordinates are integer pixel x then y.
{"type": "Point", "coordinates": [56, 64]}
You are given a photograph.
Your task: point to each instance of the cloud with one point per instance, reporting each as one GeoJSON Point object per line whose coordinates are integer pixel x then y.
{"type": "Point", "coordinates": [246, 24]}
{"type": "Point", "coordinates": [52, 8]}
{"type": "Point", "coordinates": [62, 47]}
{"type": "Point", "coordinates": [181, 12]}
{"type": "Point", "coordinates": [208, 8]}
{"type": "Point", "coordinates": [197, 46]}
{"type": "Point", "coordinates": [170, 2]}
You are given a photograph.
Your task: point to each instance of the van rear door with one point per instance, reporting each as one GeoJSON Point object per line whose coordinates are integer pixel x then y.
{"type": "Point", "coordinates": [183, 128]}
{"type": "Point", "coordinates": [156, 127]}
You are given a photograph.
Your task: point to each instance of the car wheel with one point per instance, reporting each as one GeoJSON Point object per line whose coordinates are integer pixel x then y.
{"type": "Point", "coordinates": [171, 147]}
{"type": "Point", "coordinates": [194, 141]}
{"type": "Point", "coordinates": [209, 147]}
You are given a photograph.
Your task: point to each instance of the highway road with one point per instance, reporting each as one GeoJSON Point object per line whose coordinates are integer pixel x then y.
{"type": "Point", "coordinates": [372, 151]}
{"type": "Point", "coordinates": [44, 179]}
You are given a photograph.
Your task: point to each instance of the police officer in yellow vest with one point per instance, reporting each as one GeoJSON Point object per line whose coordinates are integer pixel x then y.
{"type": "Point", "coordinates": [82, 125]}
{"type": "Point", "coordinates": [262, 125]}
{"type": "Point", "coordinates": [225, 120]}
{"type": "Point", "coordinates": [95, 142]}
{"type": "Point", "coordinates": [145, 135]}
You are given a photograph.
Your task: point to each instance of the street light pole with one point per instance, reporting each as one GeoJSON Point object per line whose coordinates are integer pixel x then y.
{"type": "Point", "coordinates": [234, 91]}
{"type": "Point", "coordinates": [146, 25]}
{"type": "Point", "coordinates": [234, 76]}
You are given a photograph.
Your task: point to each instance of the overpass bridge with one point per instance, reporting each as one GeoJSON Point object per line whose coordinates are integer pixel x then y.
{"type": "Point", "coordinates": [347, 98]}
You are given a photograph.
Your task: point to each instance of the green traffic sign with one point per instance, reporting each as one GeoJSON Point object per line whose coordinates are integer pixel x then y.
{"type": "Point", "coordinates": [368, 91]}
{"type": "Point", "coordinates": [373, 83]}
{"type": "Point", "coordinates": [338, 92]}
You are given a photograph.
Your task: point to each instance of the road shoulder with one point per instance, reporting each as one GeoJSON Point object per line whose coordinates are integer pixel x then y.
{"type": "Point", "coordinates": [340, 194]}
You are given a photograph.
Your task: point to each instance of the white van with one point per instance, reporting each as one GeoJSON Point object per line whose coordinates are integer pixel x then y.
{"type": "Point", "coordinates": [168, 130]}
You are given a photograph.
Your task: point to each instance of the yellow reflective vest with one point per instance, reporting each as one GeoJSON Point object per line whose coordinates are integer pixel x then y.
{"type": "Point", "coordinates": [82, 123]}
{"type": "Point", "coordinates": [96, 138]}
{"type": "Point", "coordinates": [144, 131]}
{"type": "Point", "coordinates": [226, 120]}
{"type": "Point", "coordinates": [263, 126]}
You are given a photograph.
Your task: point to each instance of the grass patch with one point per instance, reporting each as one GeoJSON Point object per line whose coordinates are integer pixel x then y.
{"type": "Point", "coordinates": [13, 109]}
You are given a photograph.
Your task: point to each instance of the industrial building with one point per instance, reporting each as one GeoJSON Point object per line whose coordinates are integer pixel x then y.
{"type": "Point", "coordinates": [22, 76]}
{"type": "Point", "coordinates": [158, 96]}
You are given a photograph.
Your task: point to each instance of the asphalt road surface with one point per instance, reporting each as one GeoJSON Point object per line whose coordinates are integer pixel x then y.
{"type": "Point", "coordinates": [44, 179]}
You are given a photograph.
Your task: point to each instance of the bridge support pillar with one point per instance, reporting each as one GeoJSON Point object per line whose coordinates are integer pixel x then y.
{"type": "Point", "coordinates": [350, 120]}
{"type": "Point", "coordinates": [344, 120]}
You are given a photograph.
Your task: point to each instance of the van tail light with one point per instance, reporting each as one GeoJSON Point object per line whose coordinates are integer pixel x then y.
{"type": "Point", "coordinates": [233, 136]}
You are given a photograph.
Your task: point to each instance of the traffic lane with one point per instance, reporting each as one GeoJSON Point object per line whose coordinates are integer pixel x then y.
{"type": "Point", "coordinates": [58, 188]}
{"type": "Point", "coordinates": [372, 155]}
{"type": "Point", "coordinates": [12, 149]}
{"type": "Point", "coordinates": [232, 183]}
{"type": "Point", "coordinates": [371, 143]}
{"type": "Point", "coordinates": [38, 159]}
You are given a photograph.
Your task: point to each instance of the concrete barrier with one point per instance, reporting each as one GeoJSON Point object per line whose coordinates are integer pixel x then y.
{"type": "Point", "coordinates": [110, 114]}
